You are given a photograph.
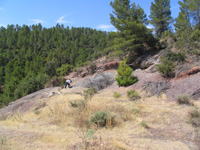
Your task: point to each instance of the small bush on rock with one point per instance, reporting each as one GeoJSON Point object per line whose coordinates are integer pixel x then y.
{"type": "Point", "coordinates": [166, 67]}
{"type": "Point", "coordinates": [124, 75]}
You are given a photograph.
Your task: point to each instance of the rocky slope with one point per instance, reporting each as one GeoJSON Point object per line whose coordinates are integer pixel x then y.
{"type": "Point", "coordinates": [46, 120]}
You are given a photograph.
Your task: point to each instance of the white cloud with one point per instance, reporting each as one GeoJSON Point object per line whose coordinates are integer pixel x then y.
{"type": "Point", "coordinates": [105, 27]}
{"type": "Point", "coordinates": [36, 21]}
{"type": "Point", "coordinates": [61, 20]}
{"type": "Point", "coordinates": [3, 25]}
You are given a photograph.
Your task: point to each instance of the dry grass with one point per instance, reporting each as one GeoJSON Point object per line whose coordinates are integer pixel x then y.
{"type": "Point", "coordinates": [60, 126]}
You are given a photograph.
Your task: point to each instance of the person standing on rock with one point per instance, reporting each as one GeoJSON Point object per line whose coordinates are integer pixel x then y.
{"type": "Point", "coordinates": [67, 83]}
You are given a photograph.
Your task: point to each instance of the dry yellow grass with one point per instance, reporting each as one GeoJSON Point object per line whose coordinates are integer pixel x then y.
{"type": "Point", "coordinates": [58, 126]}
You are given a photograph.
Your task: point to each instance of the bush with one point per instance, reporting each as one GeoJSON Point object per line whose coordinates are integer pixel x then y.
{"type": "Point", "coordinates": [89, 93]}
{"type": "Point", "coordinates": [132, 94]}
{"type": "Point", "coordinates": [183, 99]}
{"type": "Point", "coordinates": [166, 67]}
{"type": "Point", "coordinates": [116, 95]}
{"type": "Point", "coordinates": [180, 56]}
{"type": "Point", "coordinates": [195, 118]}
{"type": "Point", "coordinates": [100, 118]}
{"type": "Point", "coordinates": [124, 75]}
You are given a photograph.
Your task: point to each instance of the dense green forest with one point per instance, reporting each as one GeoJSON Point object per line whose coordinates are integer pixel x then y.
{"type": "Point", "coordinates": [31, 55]}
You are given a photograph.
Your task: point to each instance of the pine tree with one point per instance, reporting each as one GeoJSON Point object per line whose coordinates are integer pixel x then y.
{"type": "Point", "coordinates": [130, 21]}
{"type": "Point", "coordinates": [124, 75]}
{"type": "Point", "coordinates": [160, 16]}
{"type": "Point", "coordinates": [194, 7]}
{"type": "Point", "coordinates": [183, 26]}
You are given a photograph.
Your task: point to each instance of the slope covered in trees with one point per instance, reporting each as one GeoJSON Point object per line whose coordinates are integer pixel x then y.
{"type": "Point", "coordinates": [30, 55]}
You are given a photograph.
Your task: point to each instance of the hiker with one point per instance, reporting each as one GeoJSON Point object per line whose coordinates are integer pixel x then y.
{"type": "Point", "coordinates": [68, 81]}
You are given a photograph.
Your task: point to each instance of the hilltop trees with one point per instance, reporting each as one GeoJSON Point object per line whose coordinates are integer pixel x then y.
{"type": "Point", "coordinates": [160, 16]}
{"type": "Point", "coordinates": [187, 25]}
{"type": "Point", "coordinates": [130, 21]}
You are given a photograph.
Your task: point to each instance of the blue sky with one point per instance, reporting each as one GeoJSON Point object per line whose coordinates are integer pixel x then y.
{"type": "Point", "coordinates": [77, 13]}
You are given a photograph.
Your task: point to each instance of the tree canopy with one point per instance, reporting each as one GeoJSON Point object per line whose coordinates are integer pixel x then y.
{"type": "Point", "coordinates": [160, 16]}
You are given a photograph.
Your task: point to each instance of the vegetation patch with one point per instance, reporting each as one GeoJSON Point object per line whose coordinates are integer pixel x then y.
{"type": "Point", "coordinates": [166, 68]}
{"type": "Point", "coordinates": [89, 93]}
{"type": "Point", "coordinates": [183, 99]}
{"type": "Point", "coordinates": [102, 119]}
{"type": "Point", "coordinates": [78, 103]}
{"type": "Point", "coordinates": [116, 95]}
{"type": "Point", "coordinates": [124, 75]}
{"type": "Point", "coordinates": [144, 125]}
{"type": "Point", "coordinates": [195, 118]}
{"type": "Point", "coordinates": [133, 95]}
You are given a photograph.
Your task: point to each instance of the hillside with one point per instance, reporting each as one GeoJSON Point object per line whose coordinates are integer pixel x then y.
{"type": "Point", "coordinates": [154, 122]}
{"type": "Point", "coordinates": [135, 88]}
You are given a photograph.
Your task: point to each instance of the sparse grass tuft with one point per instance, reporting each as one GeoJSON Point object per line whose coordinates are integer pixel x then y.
{"type": "Point", "coordinates": [195, 118]}
{"type": "Point", "coordinates": [116, 95]}
{"type": "Point", "coordinates": [183, 99]}
{"type": "Point", "coordinates": [133, 95]}
{"type": "Point", "coordinates": [89, 93]}
{"type": "Point", "coordinates": [2, 141]}
{"type": "Point", "coordinates": [78, 103]}
{"type": "Point", "coordinates": [144, 125]}
{"type": "Point", "coordinates": [37, 112]}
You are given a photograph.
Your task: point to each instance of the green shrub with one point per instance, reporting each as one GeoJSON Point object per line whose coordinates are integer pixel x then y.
{"type": "Point", "coordinates": [132, 94]}
{"type": "Point", "coordinates": [124, 75]}
{"type": "Point", "coordinates": [166, 67]}
{"type": "Point", "coordinates": [100, 118]}
{"type": "Point", "coordinates": [180, 56]}
{"type": "Point", "coordinates": [195, 118]}
{"type": "Point", "coordinates": [183, 99]}
{"type": "Point", "coordinates": [116, 95]}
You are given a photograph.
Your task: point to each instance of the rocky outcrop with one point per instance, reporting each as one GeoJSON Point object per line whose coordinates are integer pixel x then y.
{"type": "Point", "coordinates": [192, 71]}
{"type": "Point", "coordinates": [99, 81]}
{"type": "Point", "coordinates": [25, 103]}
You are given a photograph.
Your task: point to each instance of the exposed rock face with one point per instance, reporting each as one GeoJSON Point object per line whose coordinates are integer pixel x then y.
{"type": "Point", "coordinates": [156, 88]}
{"type": "Point", "coordinates": [100, 81]}
{"type": "Point", "coordinates": [189, 86]}
{"type": "Point", "coordinates": [25, 103]}
{"type": "Point", "coordinates": [192, 71]}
